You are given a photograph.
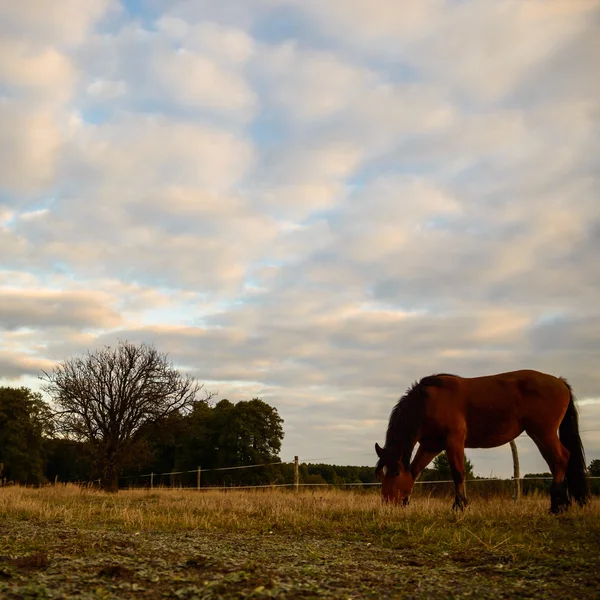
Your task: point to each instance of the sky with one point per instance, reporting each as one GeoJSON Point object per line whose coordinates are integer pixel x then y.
{"type": "Point", "coordinates": [311, 202]}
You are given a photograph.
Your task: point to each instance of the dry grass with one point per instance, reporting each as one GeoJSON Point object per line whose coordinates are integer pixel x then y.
{"type": "Point", "coordinates": [495, 543]}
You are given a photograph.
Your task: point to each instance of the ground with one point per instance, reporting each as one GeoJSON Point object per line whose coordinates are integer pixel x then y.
{"type": "Point", "coordinates": [333, 545]}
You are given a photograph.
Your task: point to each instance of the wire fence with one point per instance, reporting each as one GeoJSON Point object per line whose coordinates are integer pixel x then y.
{"type": "Point", "coordinates": [196, 479]}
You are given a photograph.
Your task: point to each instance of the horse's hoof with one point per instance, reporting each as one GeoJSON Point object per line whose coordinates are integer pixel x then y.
{"type": "Point", "coordinates": [460, 504]}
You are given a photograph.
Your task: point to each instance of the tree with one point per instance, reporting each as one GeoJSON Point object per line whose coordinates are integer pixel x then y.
{"type": "Point", "coordinates": [249, 432]}
{"type": "Point", "coordinates": [67, 460]}
{"type": "Point", "coordinates": [196, 446]}
{"type": "Point", "coordinates": [105, 397]}
{"type": "Point", "coordinates": [440, 469]}
{"type": "Point", "coordinates": [24, 420]}
{"type": "Point", "coordinates": [246, 433]}
{"type": "Point", "coordinates": [213, 437]}
{"type": "Point", "coordinates": [594, 468]}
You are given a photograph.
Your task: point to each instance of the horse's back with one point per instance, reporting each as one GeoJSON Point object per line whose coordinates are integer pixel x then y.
{"type": "Point", "coordinates": [494, 409]}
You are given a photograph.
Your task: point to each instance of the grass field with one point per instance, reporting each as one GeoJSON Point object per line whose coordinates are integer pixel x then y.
{"type": "Point", "coordinates": [67, 542]}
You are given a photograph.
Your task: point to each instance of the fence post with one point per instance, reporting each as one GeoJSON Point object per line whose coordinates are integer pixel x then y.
{"type": "Point", "coordinates": [516, 471]}
{"type": "Point", "coordinates": [151, 481]}
{"type": "Point", "coordinates": [198, 478]}
{"type": "Point", "coordinates": [296, 474]}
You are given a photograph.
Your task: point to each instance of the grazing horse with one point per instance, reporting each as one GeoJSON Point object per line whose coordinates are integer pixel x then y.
{"type": "Point", "coordinates": [447, 412]}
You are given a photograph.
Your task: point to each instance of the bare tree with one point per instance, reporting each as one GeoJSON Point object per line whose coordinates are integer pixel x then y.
{"type": "Point", "coordinates": [106, 396]}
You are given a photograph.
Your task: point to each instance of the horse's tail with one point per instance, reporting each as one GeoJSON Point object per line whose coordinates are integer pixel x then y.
{"type": "Point", "coordinates": [569, 436]}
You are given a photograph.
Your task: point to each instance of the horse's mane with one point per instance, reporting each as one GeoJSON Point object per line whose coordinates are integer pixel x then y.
{"type": "Point", "coordinates": [406, 418]}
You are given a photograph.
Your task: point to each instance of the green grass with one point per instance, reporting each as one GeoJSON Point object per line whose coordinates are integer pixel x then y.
{"type": "Point", "coordinates": [68, 542]}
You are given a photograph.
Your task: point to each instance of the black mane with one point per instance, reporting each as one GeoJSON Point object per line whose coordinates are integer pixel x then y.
{"type": "Point", "coordinates": [406, 418]}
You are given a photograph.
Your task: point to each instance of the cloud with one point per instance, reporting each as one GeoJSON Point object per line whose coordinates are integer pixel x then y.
{"type": "Point", "coordinates": [464, 45]}
{"type": "Point", "coordinates": [327, 97]}
{"type": "Point", "coordinates": [175, 68]}
{"type": "Point", "coordinates": [36, 70]}
{"type": "Point", "coordinates": [104, 90]}
{"type": "Point", "coordinates": [311, 202]}
{"type": "Point", "coordinates": [238, 13]}
{"type": "Point", "coordinates": [311, 85]}
{"type": "Point", "coordinates": [24, 308]}
{"type": "Point", "coordinates": [30, 141]}
{"type": "Point", "coordinates": [67, 21]}
{"type": "Point", "coordinates": [184, 237]}
{"type": "Point", "coordinates": [226, 45]}
{"type": "Point", "coordinates": [143, 151]}
{"type": "Point", "coordinates": [37, 79]}
{"type": "Point", "coordinates": [14, 366]}
{"type": "Point", "coordinates": [207, 86]}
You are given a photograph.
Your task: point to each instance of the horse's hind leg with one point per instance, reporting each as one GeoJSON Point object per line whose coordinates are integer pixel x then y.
{"type": "Point", "coordinates": [455, 449]}
{"type": "Point", "coordinates": [557, 457]}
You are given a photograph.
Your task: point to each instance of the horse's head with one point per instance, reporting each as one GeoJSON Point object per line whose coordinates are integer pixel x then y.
{"type": "Point", "coordinates": [396, 481]}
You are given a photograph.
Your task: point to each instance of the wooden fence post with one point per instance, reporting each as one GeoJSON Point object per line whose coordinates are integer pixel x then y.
{"type": "Point", "coordinates": [151, 481]}
{"type": "Point", "coordinates": [296, 474]}
{"type": "Point", "coordinates": [516, 471]}
{"type": "Point", "coordinates": [198, 477]}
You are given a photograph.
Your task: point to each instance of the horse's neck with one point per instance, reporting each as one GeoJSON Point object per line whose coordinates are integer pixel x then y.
{"type": "Point", "coordinates": [403, 449]}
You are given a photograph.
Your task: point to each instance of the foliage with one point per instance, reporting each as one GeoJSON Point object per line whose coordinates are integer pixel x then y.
{"type": "Point", "coordinates": [68, 460]}
{"type": "Point", "coordinates": [594, 468]}
{"type": "Point", "coordinates": [107, 396]}
{"type": "Point", "coordinates": [246, 433]}
{"type": "Point", "coordinates": [213, 437]}
{"type": "Point", "coordinates": [24, 419]}
{"type": "Point", "coordinates": [336, 475]}
{"type": "Point", "coordinates": [440, 469]}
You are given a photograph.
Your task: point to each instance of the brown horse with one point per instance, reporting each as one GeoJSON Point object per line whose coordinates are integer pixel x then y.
{"type": "Point", "coordinates": [447, 412]}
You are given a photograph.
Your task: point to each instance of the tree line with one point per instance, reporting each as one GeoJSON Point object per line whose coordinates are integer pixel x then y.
{"type": "Point", "coordinates": [124, 410]}
{"type": "Point", "coordinates": [119, 413]}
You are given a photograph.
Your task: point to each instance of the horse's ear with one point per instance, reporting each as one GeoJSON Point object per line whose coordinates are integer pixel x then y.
{"type": "Point", "coordinates": [378, 449]}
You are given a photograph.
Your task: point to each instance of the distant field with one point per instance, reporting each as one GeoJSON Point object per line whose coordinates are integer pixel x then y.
{"type": "Point", "coordinates": [66, 542]}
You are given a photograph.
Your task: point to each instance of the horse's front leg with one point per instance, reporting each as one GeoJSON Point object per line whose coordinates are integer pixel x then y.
{"type": "Point", "coordinates": [422, 458]}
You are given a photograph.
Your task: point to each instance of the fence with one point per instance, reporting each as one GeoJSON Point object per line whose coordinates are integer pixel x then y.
{"type": "Point", "coordinates": [175, 479]}
{"type": "Point", "coordinates": [482, 487]}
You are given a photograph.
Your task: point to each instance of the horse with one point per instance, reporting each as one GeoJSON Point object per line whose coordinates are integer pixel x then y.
{"type": "Point", "coordinates": [451, 413]}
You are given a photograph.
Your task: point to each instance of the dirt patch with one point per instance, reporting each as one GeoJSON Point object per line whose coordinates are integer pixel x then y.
{"type": "Point", "coordinates": [188, 565]}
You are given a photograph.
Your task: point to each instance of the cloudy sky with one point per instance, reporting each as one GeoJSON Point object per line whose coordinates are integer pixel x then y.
{"type": "Point", "coordinates": [314, 202]}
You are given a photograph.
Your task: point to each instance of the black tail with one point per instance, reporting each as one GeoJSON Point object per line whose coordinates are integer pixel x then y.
{"type": "Point", "coordinates": [568, 432]}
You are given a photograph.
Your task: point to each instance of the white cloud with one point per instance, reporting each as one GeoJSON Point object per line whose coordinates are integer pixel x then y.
{"type": "Point", "coordinates": [237, 13]}
{"type": "Point", "coordinates": [227, 45]}
{"type": "Point", "coordinates": [30, 141]}
{"type": "Point", "coordinates": [64, 21]}
{"type": "Point", "coordinates": [315, 215]}
{"type": "Point", "coordinates": [380, 22]}
{"type": "Point", "coordinates": [169, 236]}
{"type": "Point", "coordinates": [37, 78]}
{"type": "Point", "coordinates": [194, 80]}
{"type": "Point", "coordinates": [33, 309]}
{"type": "Point", "coordinates": [15, 366]}
{"type": "Point", "coordinates": [177, 67]}
{"type": "Point", "coordinates": [464, 44]}
{"type": "Point", "coordinates": [103, 90]}
{"type": "Point", "coordinates": [39, 71]}
{"type": "Point", "coordinates": [144, 151]}
{"type": "Point", "coordinates": [311, 85]}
